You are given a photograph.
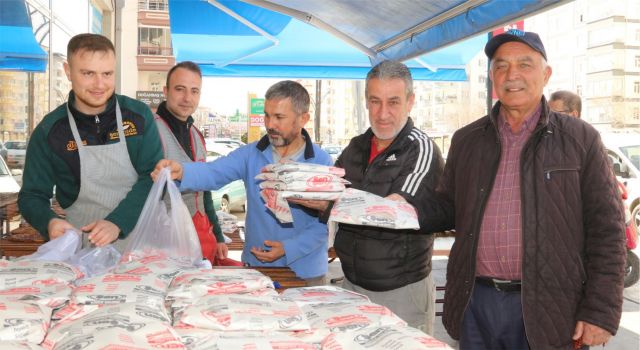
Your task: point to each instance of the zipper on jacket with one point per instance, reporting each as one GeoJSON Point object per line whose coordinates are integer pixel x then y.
{"type": "Point", "coordinates": [547, 173]}
{"type": "Point", "coordinates": [97, 120]}
{"type": "Point", "coordinates": [527, 145]}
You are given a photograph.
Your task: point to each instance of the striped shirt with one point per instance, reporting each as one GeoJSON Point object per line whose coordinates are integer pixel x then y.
{"type": "Point", "coordinates": [499, 252]}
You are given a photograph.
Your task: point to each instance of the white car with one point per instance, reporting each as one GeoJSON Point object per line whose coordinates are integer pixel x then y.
{"type": "Point", "coordinates": [214, 144]}
{"type": "Point", "coordinates": [16, 153]}
{"type": "Point", "coordinates": [9, 189]}
{"type": "Point", "coordinates": [7, 183]}
{"type": "Point", "coordinates": [232, 196]}
{"type": "Point", "coordinates": [624, 152]}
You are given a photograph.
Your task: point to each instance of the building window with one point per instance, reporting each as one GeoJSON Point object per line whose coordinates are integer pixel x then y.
{"type": "Point", "coordinates": [636, 87]}
{"type": "Point", "coordinates": [153, 5]}
{"type": "Point", "coordinates": [636, 113]}
{"type": "Point", "coordinates": [637, 61]}
{"type": "Point", "coordinates": [482, 79]}
{"type": "Point", "coordinates": [154, 41]}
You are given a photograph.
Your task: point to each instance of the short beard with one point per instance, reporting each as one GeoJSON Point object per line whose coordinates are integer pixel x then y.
{"type": "Point", "coordinates": [280, 142]}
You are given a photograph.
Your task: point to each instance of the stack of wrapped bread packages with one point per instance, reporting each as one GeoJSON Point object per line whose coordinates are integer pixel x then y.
{"type": "Point", "coordinates": [301, 181]}
{"type": "Point", "coordinates": [157, 302]}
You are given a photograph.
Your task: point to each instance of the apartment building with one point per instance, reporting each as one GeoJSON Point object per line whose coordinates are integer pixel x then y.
{"type": "Point", "coordinates": [594, 50]}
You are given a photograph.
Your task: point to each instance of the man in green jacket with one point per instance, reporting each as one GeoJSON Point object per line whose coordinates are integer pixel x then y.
{"type": "Point", "coordinates": [97, 151]}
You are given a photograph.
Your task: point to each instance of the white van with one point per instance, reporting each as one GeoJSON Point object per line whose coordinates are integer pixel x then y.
{"type": "Point", "coordinates": [624, 152]}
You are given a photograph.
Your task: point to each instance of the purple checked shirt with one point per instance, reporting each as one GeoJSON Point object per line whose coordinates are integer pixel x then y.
{"type": "Point", "coordinates": [499, 252]}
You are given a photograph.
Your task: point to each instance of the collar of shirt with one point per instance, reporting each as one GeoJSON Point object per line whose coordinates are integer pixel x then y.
{"type": "Point", "coordinates": [528, 125]}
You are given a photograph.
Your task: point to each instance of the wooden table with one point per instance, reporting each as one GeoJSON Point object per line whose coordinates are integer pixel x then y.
{"type": "Point", "coordinates": [236, 242]}
{"type": "Point", "coordinates": [14, 248]}
{"type": "Point", "coordinates": [283, 276]}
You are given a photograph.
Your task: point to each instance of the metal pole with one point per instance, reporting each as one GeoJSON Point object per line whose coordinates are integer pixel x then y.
{"type": "Point", "coordinates": [316, 124]}
{"type": "Point", "coordinates": [489, 83]}
{"type": "Point", "coordinates": [30, 105]}
{"type": "Point", "coordinates": [52, 83]}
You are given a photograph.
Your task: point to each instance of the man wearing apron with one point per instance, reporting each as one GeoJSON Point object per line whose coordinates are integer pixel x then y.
{"type": "Point", "coordinates": [183, 142]}
{"type": "Point", "coordinates": [97, 151]}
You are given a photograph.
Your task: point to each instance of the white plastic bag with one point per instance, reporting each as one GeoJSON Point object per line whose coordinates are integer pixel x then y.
{"type": "Point", "coordinates": [94, 261]}
{"type": "Point", "coordinates": [168, 231]}
{"type": "Point", "coordinates": [59, 249]}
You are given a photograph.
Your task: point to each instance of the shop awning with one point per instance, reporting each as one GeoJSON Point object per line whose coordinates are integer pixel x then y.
{"type": "Point", "coordinates": [19, 50]}
{"type": "Point", "coordinates": [337, 38]}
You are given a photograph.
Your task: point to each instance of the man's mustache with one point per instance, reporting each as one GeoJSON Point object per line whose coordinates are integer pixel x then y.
{"type": "Point", "coordinates": [513, 85]}
{"type": "Point", "coordinates": [273, 132]}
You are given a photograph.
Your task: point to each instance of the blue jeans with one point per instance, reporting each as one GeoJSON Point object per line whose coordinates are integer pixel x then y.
{"type": "Point", "coordinates": [493, 320]}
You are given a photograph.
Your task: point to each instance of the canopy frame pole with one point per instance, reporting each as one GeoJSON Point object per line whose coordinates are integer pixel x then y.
{"type": "Point", "coordinates": [246, 22]}
{"type": "Point", "coordinates": [421, 27]}
{"type": "Point", "coordinates": [316, 22]}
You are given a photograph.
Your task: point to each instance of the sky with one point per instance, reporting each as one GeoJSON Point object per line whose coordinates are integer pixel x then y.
{"type": "Point", "coordinates": [225, 95]}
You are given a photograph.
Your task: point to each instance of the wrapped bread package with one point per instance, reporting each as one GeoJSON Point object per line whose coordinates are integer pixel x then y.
{"type": "Point", "coordinates": [300, 181]}
{"type": "Point", "coordinates": [383, 338]}
{"type": "Point", "coordinates": [358, 207]}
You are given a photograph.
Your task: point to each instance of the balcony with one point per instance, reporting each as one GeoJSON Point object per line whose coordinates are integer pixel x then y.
{"type": "Point", "coordinates": [155, 51]}
{"type": "Point", "coordinates": [153, 5]}
{"type": "Point", "coordinates": [155, 58]}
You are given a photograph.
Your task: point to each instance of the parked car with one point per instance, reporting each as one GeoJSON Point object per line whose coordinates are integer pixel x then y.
{"type": "Point", "coordinates": [230, 143]}
{"type": "Point", "coordinates": [333, 150]}
{"type": "Point", "coordinates": [7, 182]}
{"type": "Point", "coordinates": [16, 153]}
{"type": "Point", "coordinates": [231, 197]}
{"type": "Point", "coordinates": [3, 151]}
{"type": "Point", "coordinates": [9, 189]}
{"type": "Point", "coordinates": [632, 269]}
{"type": "Point", "coordinates": [624, 152]}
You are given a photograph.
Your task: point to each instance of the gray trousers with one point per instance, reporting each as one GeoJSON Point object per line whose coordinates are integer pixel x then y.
{"type": "Point", "coordinates": [414, 303]}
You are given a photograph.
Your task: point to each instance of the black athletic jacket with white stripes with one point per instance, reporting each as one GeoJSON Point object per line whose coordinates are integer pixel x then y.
{"type": "Point", "coordinates": [380, 259]}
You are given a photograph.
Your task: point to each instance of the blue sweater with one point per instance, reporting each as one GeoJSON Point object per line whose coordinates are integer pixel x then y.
{"type": "Point", "coordinates": [304, 240]}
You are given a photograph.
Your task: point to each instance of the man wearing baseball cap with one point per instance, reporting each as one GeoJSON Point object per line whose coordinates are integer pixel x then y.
{"type": "Point", "coordinates": [538, 259]}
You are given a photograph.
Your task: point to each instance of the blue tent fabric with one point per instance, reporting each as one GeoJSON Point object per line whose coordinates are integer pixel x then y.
{"type": "Point", "coordinates": [337, 38]}
{"type": "Point", "coordinates": [422, 26]}
{"type": "Point", "coordinates": [19, 50]}
{"type": "Point", "coordinates": [298, 50]}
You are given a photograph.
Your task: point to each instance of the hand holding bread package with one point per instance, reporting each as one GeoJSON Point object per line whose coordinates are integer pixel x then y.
{"type": "Point", "coordinates": [318, 182]}
{"type": "Point", "coordinates": [298, 180]}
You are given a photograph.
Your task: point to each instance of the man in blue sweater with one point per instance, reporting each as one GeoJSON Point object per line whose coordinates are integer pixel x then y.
{"type": "Point", "coordinates": [300, 245]}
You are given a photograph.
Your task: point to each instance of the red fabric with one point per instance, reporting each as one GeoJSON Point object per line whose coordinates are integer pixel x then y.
{"type": "Point", "coordinates": [226, 262]}
{"type": "Point", "coordinates": [374, 150]}
{"type": "Point", "coordinates": [205, 235]}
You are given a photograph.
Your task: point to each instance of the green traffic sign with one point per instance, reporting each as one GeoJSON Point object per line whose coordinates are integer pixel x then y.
{"type": "Point", "coordinates": [257, 106]}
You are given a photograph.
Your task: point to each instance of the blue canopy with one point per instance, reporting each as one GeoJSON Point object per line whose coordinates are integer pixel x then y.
{"type": "Point", "coordinates": [224, 45]}
{"type": "Point", "coordinates": [19, 50]}
{"type": "Point", "coordinates": [337, 38]}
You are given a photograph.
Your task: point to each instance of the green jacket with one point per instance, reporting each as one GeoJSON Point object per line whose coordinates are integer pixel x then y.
{"type": "Point", "coordinates": [52, 161]}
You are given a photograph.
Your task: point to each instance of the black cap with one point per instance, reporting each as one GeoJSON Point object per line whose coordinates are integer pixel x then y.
{"type": "Point", "coordinates": [530, 38]}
